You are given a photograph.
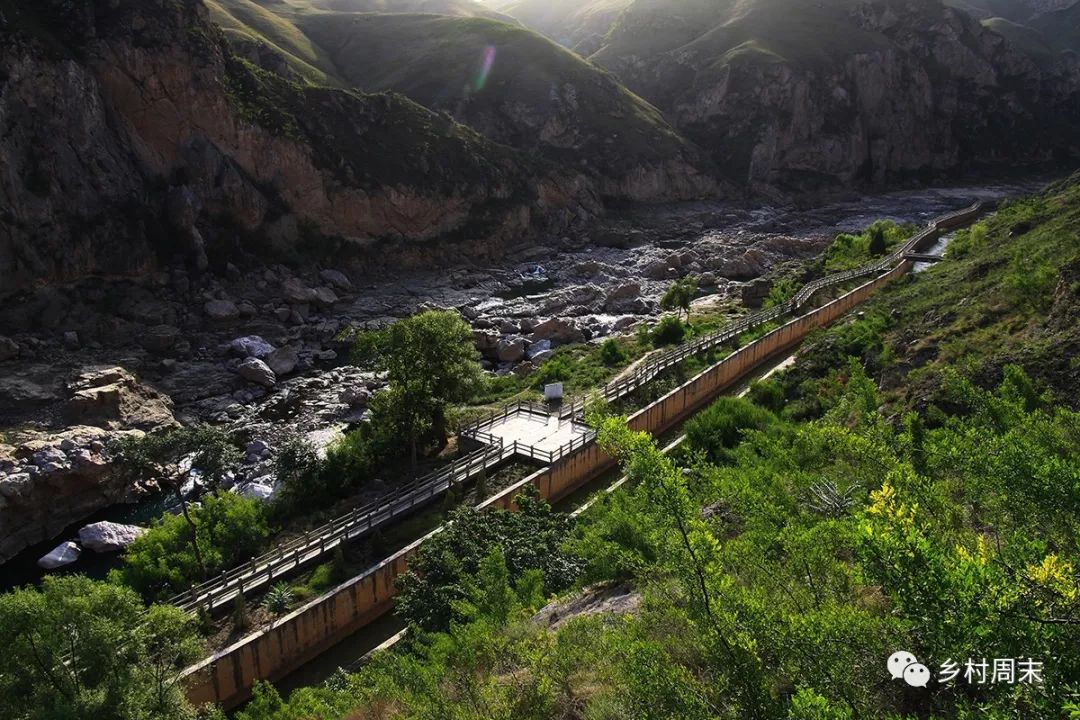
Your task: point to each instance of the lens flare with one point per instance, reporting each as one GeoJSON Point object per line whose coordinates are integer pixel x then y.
{"type": "Point", "coordinates": [485, 68]}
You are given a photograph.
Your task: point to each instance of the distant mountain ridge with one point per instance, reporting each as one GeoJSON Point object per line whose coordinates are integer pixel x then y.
{"type": "Point", "coordinates": [840, 92]}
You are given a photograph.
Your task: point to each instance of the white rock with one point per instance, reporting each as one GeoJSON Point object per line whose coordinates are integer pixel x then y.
{"type": "Point", "coordinates": [256, 371]}
{"type": "Point", "coordinates": [540, 346]}
{"type": "Point", "coordinates": [63, 554]}
{"type": "Point", "coordinates": [251, 346]}
{"type": "Point", "coordinates": [257, 491]}
{"type": "Point", "coordinates": [108, 536]}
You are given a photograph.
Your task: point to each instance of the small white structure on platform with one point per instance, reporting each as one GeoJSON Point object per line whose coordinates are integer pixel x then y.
{"type": "Point", "coordinates": [553, 391]}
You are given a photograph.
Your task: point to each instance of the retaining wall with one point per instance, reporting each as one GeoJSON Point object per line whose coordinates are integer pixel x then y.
{"type": "Point", "coordinates": [269, 654]}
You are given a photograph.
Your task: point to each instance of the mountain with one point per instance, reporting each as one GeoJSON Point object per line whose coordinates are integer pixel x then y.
{"type": "Point", "coordinates": [133, 134]}
{"type": "Point", "coordinates": [535, 95]}
{"type": "Point", "coordinates": [801, 96]}
{"type": "Point", "coordinates": [520, 89]}
{"type": "Point", "coordinates": [578, 25]}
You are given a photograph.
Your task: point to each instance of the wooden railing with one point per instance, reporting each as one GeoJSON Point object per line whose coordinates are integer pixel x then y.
{"type": "Point", "coordinates": [290, 555]}
{"type": "Point", "coordinates": [295, 553]}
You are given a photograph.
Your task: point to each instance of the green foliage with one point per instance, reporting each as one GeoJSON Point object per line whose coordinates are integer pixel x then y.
{"type": "Point", "coordinates": [612, 353]}
{"type": "Point", "coordinates": [669, 331]}
{"type": "Point", "coordinates": [161, 563]}
{"type": "Point", "coordinates": [82, 649]}
{"type": "Point", "coordinates": [850, 251]}
{"type": "Point", "coordinates": [681, 293]}
{"type": "Point", "coordinates": [965, 240]}
{"type": "Point", "coordinates": [279, 598]}
{"type": "Point", "coordinates": [430, 362]}
{"type": "Point", "coordinates": [781, 291]}
{"type": "Point", "coordinates": [722, 425]}
{"type": "Point", "coordinates": [442, 575]}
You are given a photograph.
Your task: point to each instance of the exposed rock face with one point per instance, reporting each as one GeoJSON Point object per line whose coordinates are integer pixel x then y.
{"type": "Point", "coordinates": [53, 480]}
{"type": "Point", "coordinates": [137, 141]}
{"type": "Point", "coordinates": [108, 536]}
{"type": "Point", "coordinates": [112, 397]}
{"type": "Point", "coordinates": [808, 96]}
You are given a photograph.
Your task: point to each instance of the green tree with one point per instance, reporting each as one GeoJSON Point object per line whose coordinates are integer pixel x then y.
{"type": "Point", "coordinates": [443, 574]}
{"type": "Point", "coordinates": [878, 244]}
{"type": "Point", "coordinates": [77, 648]}
{"type": "Point", "coordinates": [679, 296]}
{"type": "Point", "coordinates": [430, 362]}
{"type": "Point", "coordinates": [177, 454]}
{"type": "Point", "coordinates": [161, 562]}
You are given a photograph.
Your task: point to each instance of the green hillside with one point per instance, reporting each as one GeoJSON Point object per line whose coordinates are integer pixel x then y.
{"type": "Point", "coordinates": [913, 483]}
{"type": "Point", "coordinates": [510, 83]}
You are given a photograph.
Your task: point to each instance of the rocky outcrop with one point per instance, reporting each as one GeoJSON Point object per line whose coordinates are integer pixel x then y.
{"type": "Point", "coordinates": [133, 135]}
{"type": "Point", "coordinates": [51, 480]}
{"type": "Point", "coordinates": [825, 95]}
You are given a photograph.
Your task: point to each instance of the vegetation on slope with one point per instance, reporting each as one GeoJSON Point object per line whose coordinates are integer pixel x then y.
{"type": "Point", "coordinates": [509, 83]}
{"type": "Point", "coordinates": [781, 560]}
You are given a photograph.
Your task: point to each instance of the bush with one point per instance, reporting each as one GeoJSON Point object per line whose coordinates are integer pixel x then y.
{"type": "Point", "coordinates": [612, 353]}
{"type": "Point", "coordinates": [554, 370]}
{"type": "Point", "coordinates": [279, 599]}
{"type": "Point", "coordinates": [721, 427]}
{"type": "Point", "coordinates": [669, 331]}
{"type": "Point", "coordinates": [162, 563]}
{"type": "Point", "coordinates": [769, 394]}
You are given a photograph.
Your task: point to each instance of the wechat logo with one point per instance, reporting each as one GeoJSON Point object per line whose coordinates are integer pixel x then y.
{"type": "Point", "coordinates": [904, 665]}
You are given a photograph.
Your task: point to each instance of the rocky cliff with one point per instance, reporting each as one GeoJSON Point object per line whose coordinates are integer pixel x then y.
{"type": "Point", "coordinates": [133, 134]}
{"type": "Point", "coordinates": [805, 96]}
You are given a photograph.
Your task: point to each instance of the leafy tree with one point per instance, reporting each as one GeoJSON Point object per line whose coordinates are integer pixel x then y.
{"type": "Point", "coordinates": [442, 575]}
{"type": "Point", "coordinates": [878, 244]}
{"type": "Point", "coordinates": [430, 362]}
{"type": "Point", "coordinates": [177, 454]}
{"type": "Point", "coordinates": [669, 331]}
{"type": "Point", "coordinates": [161, 562]}
{"type": "Point", "coordinates": [77, 648]}
{"type": "Point", "coordinates": [679, 296]}
{"type": "Point", "coordinates": [612, 353]}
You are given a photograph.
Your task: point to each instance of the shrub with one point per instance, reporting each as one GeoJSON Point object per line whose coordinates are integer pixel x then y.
{"type": "Point", "coordinates": [612, 353]}
{"type": "Point", "coordinates": [556, 369]}
{"type": "Point", "coordinates": [161, 562]}
{"type": "Point", "coordinates": [768, 394]}
{"type": "Point", "coordinates": [669, 331]}
{"type": "Point", "coordinates": [721, 427]}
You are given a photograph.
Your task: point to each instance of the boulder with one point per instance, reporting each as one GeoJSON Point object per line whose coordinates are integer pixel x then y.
{"type": "Point", "coordinates": [251, 346]}
{"type": "Point", "coordinates": [283, 360]}
{"type": "Point", "coordinates": [296, 292]}
{"type": "Point", "coordinates": [9, 349]}
{"type": "Point", "coordinates": [355, 397]}
{"type": "Point", "coordinates": [160, 339]}
{"type": "Point", "coordinates": [337, 279]}
{"type": "Point", "coordinates": [63, 554]}
{"type": "Point", "coordinates": [108, 536]}
{"type": "Point", "coordinates": [511, 350]}
{"type": "Point", "coordinates": [256, 371]}
{"type": "Point", "coordinates": [107, 396]}
{"type": "Point", "coordinates": [221, 310]}
{"type": "Point", "coordinates": [558, 331]}
{"type": "Point", "coordinates": [536, 348]}
{"type": "Point", "coordinates": [622, 298]}
{"type": "Point", "coordinates": [324, 296]}
{"type": "Point", "coordinates": [257, 491]}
